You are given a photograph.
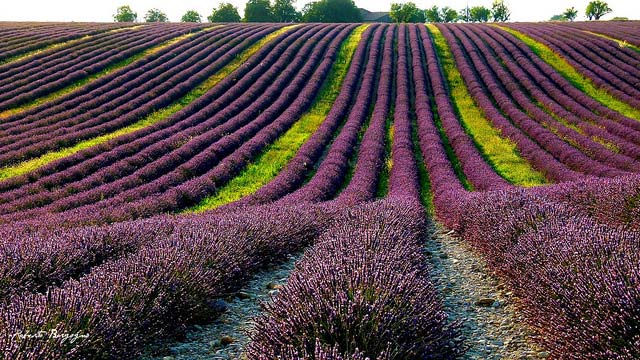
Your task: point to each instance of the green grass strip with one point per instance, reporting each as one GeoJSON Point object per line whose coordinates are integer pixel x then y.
{"type": "Point", "coordinates": [621, 43]}
{"type": "Point", "coordinates": [500, 152]}
{"type": "Point", "coordinates": [277, 155]}
{"type": "Point", "coordinates": [578, 80]}
{"type": "Point", "coordinates": [426, 195]}
{"type": "Point", "coordinates": [109, 70]}
{"type": "Point", "coordinates": [157, 116]}
{"type": "Point", "coordinates": [62, 44]}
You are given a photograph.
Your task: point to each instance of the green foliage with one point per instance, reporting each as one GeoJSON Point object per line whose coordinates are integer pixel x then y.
{"type": "Point", "coordinates": [499, 11]}
{"type": "Point", "coordinates": [597, 9]}
{"type": "Point", "coordinates": [284, 11]}
{"type": "Point", "coordinates": [479, 14]}
{"type": "Point", "coordinates": [570, 14]}
{"type": "Point", "coordinates": [191, 16]}
{"type": "Point", "coordinates": [406, 13]}
{"type": "Point", "coordinates": [558, 18]}
{"type": "Point", "coordinates": [433, 15]}
{"type": "Point", "coordinates": [448, 14]}
{"type": "Point", "coordinates": [331, 11]}
{"type": "Point", "coordinates": [155, 15]}
{"type": "Point", "coordinates": [125, 14]}
{"type": "Point", "coordinates": [258, 11]}
{"type": "Point", "coordinates": [226, 12]}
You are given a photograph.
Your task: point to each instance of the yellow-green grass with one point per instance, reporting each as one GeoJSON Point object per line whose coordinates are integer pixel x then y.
{"type": "Point", "coordinates": [385, 172]}
{"type": "Point", "coordinates": [61, 44]}
{"type": "Point", "coordinates": [275, 156]}
{"type": "Point", "coordinates": [426, 195]}
{"type": "Point", "coordinates": [109, 70]}
{"type": "Point", "coordinates": [621, 43]}
{"type": "Point", "coordinates": [578, 80]}
{"type": "Point", "coordinates": [500, 152]}
{"type": "Point", "coordinates": [157, 116]}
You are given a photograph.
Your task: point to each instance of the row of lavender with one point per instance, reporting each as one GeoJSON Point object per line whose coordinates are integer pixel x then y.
{"type": "Point", "coordinates": [622, 30]}
{"type": "Point", "coordinates": [115, 88]}
{"type": "Point", "coordinates": [264, 119]}
{"type": "Point", "coordinates": [125, 96]}
{"type": "Point", "coordinates": [68, 256]}
{"type": "Point", "coordinates": [608, 65]}
{"type": "Point", "coordinates": [20, 38]}
{"type": "Point", "coordinates": [44, 73]}
{"type": "Point", "coordinates": [528, 92]}
{"type": "Point", "coordinates": [556, 307]}
{"type": "Point", "coordinates": [562, 253]}
{"type": "Point", "coordinates": [179, 289]}
{"type": "Point", "coordinates": [181, 125]}
{"type": "Point", "coordinates": [180, 270]}
{"type": "Point", "coordinates": [363, 290]}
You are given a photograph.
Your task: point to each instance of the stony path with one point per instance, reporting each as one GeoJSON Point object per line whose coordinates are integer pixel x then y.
{"type": "Point", "coordinates": [472, 295]}
{"type": "Point", "coordinates": [491, 326]}
{"type": "Point", "coordinates": [226, 337]}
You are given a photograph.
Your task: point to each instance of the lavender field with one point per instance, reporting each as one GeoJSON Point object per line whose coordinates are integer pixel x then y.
{"type": "Point", "coordinates": [150, 172]}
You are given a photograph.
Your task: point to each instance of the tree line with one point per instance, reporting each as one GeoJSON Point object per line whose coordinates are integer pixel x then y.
{"type": "Point", "coordinates": [594, 11]}
{"type": "Point", "coordinates": [409, 13]}
{"type": "Point", "coordinates": [346, 11]}
{"type": "Point", "coordinates": [260, 11]}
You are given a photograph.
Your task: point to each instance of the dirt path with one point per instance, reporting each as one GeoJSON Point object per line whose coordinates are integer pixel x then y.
{"type": "Point", "coordinates": [226, 337]}
{"type": "Point", "coordinates": [471, 294]}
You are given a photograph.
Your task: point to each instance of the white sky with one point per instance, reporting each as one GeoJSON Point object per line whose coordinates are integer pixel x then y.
{"type": "Point", "coordinates": [103, 10]}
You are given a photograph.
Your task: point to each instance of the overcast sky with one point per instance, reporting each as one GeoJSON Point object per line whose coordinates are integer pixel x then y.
{"type": "Point", "coordinates": [103, 10]}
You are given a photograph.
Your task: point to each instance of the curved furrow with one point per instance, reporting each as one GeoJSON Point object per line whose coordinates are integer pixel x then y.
{"type": "Point", "coordinates": [530, 150]}
{"type": "Point", "coordinates": [134, 105]}
{"type": "Point", "coordinates": [546, 138]}
{"type": "Point", "coordinates": [183, 124]}
{"type": "Point", "coordinates": [211, 122]}
{"type": "Point", "coordinates": [332, 169]}
{"type": "Point", "coordinates": [514, 83]}
{"type": "Point", "coordinates": [551, 96]}
{"type": "Point", "coordinates": [179, 188]}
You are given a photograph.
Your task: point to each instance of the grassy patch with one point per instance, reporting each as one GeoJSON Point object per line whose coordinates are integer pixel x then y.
{"type": "Point", "coordinates": [30, 165]}
{"type": "Point", "coordinates": [109, 70]}
{"type": "Point", "coordinates": [278, 154]}
{"type": "Point", "coordinates": [501, 153]}
{"type": "Point", "coordinates": [621, 43]}
{"type": "Point", "coordinates": [573, 76]}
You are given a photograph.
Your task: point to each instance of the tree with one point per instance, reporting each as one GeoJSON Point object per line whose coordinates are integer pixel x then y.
{"type": "Point", "coordinates": [155, 15]}
{"type": "Point", "coordinates": [597, 9]}
{"type": "Point", "coordinates": [406, 13]}
{"type": "Point", "coordinates": [226, 12]}
{"type": "Point", "coordinates": [125, 14]}
{"type": "Point", "coordinates": [570, 14]}
{"type": "Point", "coordinates": [559, 17]}
{"type": "Point", "coordinates": [284, 11]}
{"type": "Point", "coordinates": [433, 15]}
{"type": "Point", "coordinates": [465, 14]}
{"type": "Point", "coordinates": [479, 14]}
{"type": "Point", "coordinates": [191, 16]}
{"type": "Point", "coordinates": [448, 15]}
{"type": "Point", "coordinates": [338, 11]}
{"type": "Point", "coordinates": [258, 11]}
{"type": "Point", "coordinates": [499, 11]}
